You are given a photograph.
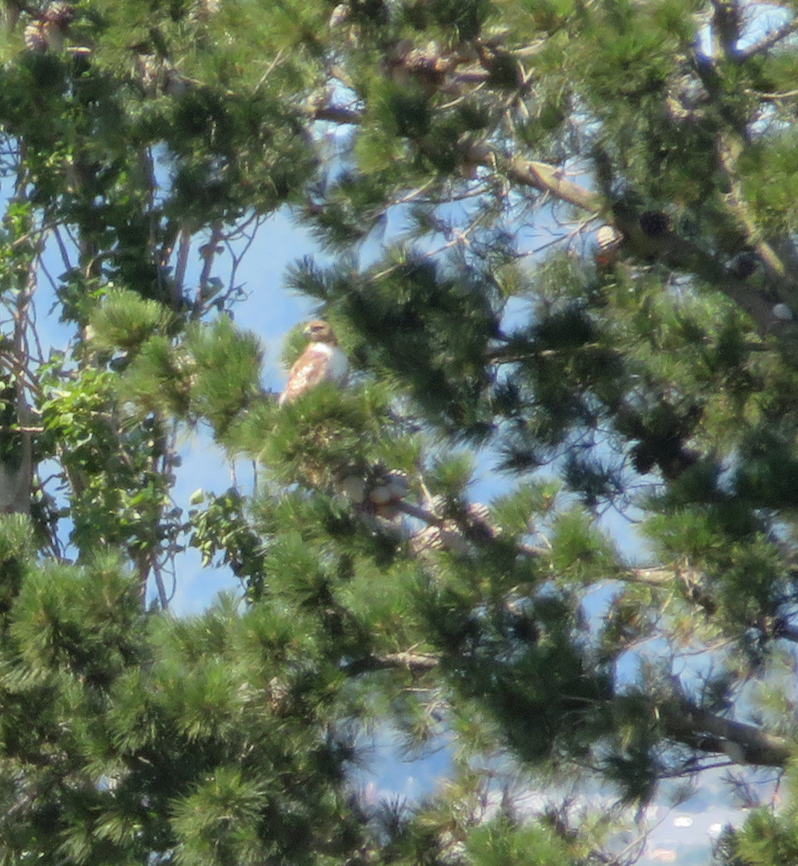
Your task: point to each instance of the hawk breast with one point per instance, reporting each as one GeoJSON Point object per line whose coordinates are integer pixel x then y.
{"type": "Point", "coordinates": [320, 362]}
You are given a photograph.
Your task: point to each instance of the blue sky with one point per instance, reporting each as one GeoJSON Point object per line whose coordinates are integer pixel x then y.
{"type": "Point", "coordinates": [266, 309]}
{"type": "Point", "coordinates": [270, 311]}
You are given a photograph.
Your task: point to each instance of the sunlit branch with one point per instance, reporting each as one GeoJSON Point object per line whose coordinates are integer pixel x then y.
{"type": "Point", "coordinates": [409, 660]}
{"type": "Point", "coordinates": [183, 249]}
{"type": "Point", "coordinates": [709, 732]}
{"type": "Point", "coordinates": [550, 179]}
{"type": "Point", "coordinates": [767, 42]}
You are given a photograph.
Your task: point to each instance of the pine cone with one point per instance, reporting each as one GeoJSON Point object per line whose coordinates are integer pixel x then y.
{"type": "Point", "coordinates": [34, 37]}
{"type": "Point", "coordinates": [392, 488]}
{"type": "Point", "coordinates": [608, 242]}
{"type": "Point", "coordinates": [353, 487]}
{"type": "Point", "coordinates": [480, 528]}
{"type": "Point", "coordinates": [387, 492]}
{"type": "Point", "coordinates": [443, 537]}
{"type": "Point", "coordinates": [150, 70]}
{"type": "Point", "coordinates": [744, 264]}
{"type": "Point", "coordinates": [59, 14]}
{"type": "Point", "coordinates": [424, 65]}
{"type": "Point", "coordinates": [655, 223]}
{"type": "Point", "coordinates": [339, 15]}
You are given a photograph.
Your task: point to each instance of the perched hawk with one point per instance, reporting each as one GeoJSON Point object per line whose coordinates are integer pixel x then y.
{"type": "Point", "coordinates": [322, 361]}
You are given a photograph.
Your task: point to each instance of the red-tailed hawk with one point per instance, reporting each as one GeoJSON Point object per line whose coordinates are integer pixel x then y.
{"type": "Point", "coordinates": [322, 361]}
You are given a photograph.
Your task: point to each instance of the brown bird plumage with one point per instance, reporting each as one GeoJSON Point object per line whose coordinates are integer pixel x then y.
{"type": "Point", "coordinates": [322, 361]}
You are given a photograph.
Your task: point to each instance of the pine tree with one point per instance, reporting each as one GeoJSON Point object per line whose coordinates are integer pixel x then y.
{"type": "Point", "coordinates": [561, 250]}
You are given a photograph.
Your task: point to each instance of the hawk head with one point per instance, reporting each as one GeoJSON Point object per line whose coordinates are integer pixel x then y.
{"type": "Point", "coordinates": [320, 332]}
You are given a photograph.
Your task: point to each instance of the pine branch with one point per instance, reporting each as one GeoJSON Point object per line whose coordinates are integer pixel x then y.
{"type": "Point", "coordinates": [675, 252]}
{"type": "Point", "coordinates": [486, 534]}
{"type": "Point", "coordinates": [785, 631]}
{"type": "Point", "coordinates": [337, 114]}
{"type": "Point", "coordinates": [683, 721]}
{"type": "Point", "coordinates": [550, 179]}
{"type": "Point", "coordinates": [416, 663]}
{"type": "Point", "coordinates": [681, 254]}
{"type": "Point", "coordinates": [503, 356]}
{"type": "Point", "coordinates": [767, 42]}
{"type": "Point", "coordinates": [744, 744]}
{"type": "Point", "coordinates": [650, 576]}
{"type": "Point", "coordinates": [657, 576]}
{"type": "Point", "coordinates": [778, 257]}
{"type": "Point", "coordinates": [661, 577]}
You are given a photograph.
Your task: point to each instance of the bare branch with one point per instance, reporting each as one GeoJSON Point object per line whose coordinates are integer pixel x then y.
{"type": "Point", "coordinates": [767, 42]}
{"type": "Point", "coordinates": [163, 598]}
{"type": "Point", "coordinates": [208, 253]}
{"type": "Point", "coordinates": [742, 743]}
{"type": "Point", "coordinates": [550, 179]}
{"type": "Point", "coordinates": [336, 114]}
{"type": "Point", "coordinates": [410, 660]}
{"type": "Point", "coordinates": [183, 248]}
{"type": "Point", "coordinates": [785, 631]}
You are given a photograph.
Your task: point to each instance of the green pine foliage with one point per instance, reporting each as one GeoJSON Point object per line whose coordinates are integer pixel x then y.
{"type": "Point", "coordinates": [125, 320]}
